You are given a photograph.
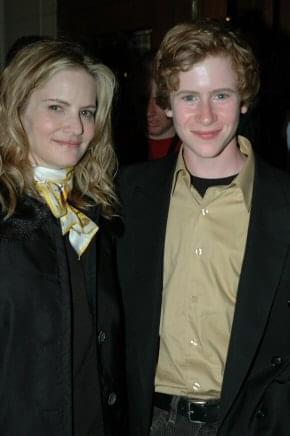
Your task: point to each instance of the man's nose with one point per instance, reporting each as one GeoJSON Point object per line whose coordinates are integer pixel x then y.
{"type": "Point", "coordinates": [151, 108]}
{"type": "Point", "coordinates": [206, 113]}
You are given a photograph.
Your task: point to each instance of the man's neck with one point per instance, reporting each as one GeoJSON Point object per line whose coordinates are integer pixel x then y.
{"type": "Point", "coordinates": [229, 162]}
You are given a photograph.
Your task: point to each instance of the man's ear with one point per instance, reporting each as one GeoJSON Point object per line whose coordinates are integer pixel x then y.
{"type": "Point", "coordinates": [244, 108]}
{"type": "Point", "coordinates": [169, 113]}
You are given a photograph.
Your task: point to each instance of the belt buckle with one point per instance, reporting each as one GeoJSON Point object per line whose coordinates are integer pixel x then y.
{"type": "Point", "coordinates": [190, 413]}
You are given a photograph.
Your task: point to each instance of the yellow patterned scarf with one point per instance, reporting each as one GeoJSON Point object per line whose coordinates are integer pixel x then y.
{"type": "Point", "coordinates": [54, 187]}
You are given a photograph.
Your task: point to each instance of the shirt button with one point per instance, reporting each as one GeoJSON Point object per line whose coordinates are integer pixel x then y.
{"type": "Point", "coordinates": [204, 211]}
{"type": "Point", "coordinates": [197, 251]}
{"type": "Point", "coordinates": [102, 336]}
{"type": "Point", "coordinates": [196, 386]}
{"type": "Point", "coordinates": [112, 398]}
{"type": "Point", "coordinates": [194, 342]}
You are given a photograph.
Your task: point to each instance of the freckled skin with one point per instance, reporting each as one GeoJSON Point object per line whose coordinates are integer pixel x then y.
{"type": "Point", "coordinates": [206, 110]}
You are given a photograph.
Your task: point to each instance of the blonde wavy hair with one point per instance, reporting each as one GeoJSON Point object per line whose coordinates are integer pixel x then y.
{"type": "Point", "coordinates": [187, 44]}
{"type": "Point", "coordinates": [30, 69]}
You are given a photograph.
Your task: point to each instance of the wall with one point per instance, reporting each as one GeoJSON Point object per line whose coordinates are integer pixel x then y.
{"type": "Point", "coordinates": [91, 18]}
{"type": "Point", "coordinates": [21, 18]}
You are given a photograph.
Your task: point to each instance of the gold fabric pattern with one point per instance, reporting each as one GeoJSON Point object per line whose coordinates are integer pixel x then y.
{"type": "Point", "coordinates": [54, 187]}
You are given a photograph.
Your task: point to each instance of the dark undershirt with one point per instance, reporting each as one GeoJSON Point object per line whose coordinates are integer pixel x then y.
{"type": "Point", "coordinates": [201, 184]}
{"type": "Point", "coordinates": [85, 382]}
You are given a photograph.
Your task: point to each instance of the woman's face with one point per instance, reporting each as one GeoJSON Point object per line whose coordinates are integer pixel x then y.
{"type": "Point", "coordinates": [59, 119]}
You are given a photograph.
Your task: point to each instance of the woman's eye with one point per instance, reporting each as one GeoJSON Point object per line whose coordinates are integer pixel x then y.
{"type": "Point", "coordinates": [88, 113]}
{"type": "Point", "coordinates": [55, 107]}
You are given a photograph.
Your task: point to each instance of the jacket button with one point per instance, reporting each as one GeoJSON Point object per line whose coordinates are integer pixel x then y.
{"type": "Point", "coordinates": [260, 414]}
{"type": "Point", "coordinates": [102, 336]}
{"type": "Point", "coordinates": [276, 361]}
{"type": "Point", "coordinates": [112, 398]}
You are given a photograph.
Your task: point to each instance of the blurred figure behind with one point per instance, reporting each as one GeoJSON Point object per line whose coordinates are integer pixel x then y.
{"type": "Point", "coordinates": [161, 134]}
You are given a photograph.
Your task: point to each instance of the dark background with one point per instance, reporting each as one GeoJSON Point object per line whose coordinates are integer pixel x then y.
{"type": "Point", "coordinates": [120, 31]}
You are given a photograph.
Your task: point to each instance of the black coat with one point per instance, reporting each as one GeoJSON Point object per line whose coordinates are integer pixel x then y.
{"type": "Point", "coordinates": [36, 327]}
{"type": "Point", "coordinates": [255, 398]}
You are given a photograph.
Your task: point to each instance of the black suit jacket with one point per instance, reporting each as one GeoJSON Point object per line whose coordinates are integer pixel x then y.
{"type": "Point", "coordinates": [255, 397]}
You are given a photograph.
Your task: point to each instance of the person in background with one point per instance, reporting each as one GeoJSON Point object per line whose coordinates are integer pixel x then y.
{"type": "Point", "coordinates": [162, 138]}
{"type": "Point", "coordinates": [159, 129]}
{"type": "Point", "coordinates": [57, 197]}
{"type": "Point", "coordinates": [203, 262]}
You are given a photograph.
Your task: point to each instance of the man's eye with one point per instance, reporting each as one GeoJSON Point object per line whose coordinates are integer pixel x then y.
{"type": "Point", "coordinates": [221, 96]}
{"type": "Point", "coordinates": [189, 98]}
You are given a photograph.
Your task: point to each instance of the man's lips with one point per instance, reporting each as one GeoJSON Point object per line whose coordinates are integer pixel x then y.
{"type": "Point", "coordinates": [153, 123]}
{"type": "Point", "coordinates": [206, 135]}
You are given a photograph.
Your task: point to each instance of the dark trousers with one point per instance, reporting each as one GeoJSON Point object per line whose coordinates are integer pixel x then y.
{"type": "Point", "coordinates": [169, 423]}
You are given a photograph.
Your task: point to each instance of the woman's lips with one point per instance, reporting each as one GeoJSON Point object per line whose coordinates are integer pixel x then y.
{"type": "Point", "coordinates": [68, 143]}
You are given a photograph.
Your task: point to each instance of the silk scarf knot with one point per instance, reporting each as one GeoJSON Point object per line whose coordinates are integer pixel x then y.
{"type": "Point", "coordinates": [54, 186]}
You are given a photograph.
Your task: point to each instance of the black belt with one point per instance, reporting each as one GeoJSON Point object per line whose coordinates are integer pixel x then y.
{"type": "Point", "coordinates": [194, 410]}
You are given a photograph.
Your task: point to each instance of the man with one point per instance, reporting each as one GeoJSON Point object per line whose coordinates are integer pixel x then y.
{"type": "Point", "coordinates": [203, 262]}
{"type": "Point", "coordinates": [160, 130]}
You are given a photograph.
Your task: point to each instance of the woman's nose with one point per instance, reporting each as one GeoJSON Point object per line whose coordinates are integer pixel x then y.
{"type": "Point", "coordinates": [75, 124]}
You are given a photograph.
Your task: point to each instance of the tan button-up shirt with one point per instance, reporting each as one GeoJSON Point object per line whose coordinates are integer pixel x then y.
{"type": "Point", "coordinates": [204, 250]}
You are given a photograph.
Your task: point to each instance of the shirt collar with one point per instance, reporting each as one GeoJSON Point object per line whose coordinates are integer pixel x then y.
{"type": "Point", "coordinates": [244, 179]}
{"type": "Point", "coordinates": [180, 171]}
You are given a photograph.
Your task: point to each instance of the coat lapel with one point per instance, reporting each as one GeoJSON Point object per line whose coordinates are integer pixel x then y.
{"type": "Point", "coordinates": [146, 229]}
{"type": "Point", "coordinates": [266, 251]}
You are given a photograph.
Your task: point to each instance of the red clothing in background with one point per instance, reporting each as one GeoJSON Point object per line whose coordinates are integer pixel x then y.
{"type": "Point", "coordinates": [158, 148]}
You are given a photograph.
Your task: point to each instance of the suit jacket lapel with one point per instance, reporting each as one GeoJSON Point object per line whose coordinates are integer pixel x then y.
{"type": "Point", "coordinates": [262, 268]}
{"type": "Point", "coordinates": [150, 197]}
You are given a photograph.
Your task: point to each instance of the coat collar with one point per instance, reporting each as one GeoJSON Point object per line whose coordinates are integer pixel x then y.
{"type": "Point", "coordinates": [30, 214]}
{"type": "Point", "coordinates": [155, 177]}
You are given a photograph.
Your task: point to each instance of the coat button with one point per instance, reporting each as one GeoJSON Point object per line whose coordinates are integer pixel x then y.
{"type": "Point", "coordinates": [112, 398]}
{"type": "Point", "coordinates": [102, 336]}
{"type": "Point", "coordinates": [276, 361]}
{"type": "Point", "coordinates": [260, 414]}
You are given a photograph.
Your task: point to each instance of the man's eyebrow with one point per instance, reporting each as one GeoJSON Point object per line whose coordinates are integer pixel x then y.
{"type": "Point", "coordinates": [192, 91]}
{"type": "Point", "coordinates": [185, 91]}
{"type": "Point", "coordinates": [224, 90]}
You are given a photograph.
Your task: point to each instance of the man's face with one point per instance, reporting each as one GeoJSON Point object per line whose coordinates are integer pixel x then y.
{"type": "Point", "coordinates": [206, 110]}
{"type": "Point", "coordinates": [159, 126]}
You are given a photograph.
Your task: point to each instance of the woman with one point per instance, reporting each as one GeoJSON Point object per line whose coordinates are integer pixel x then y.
{"type": "Point", "coordinates": [56, 194]}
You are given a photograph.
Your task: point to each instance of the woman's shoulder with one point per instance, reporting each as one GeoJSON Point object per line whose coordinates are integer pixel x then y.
{"type": "Point", "coordinates": [29, 215]}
